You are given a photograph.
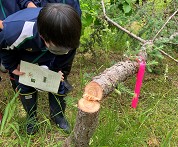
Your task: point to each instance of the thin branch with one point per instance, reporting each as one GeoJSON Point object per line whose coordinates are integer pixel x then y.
{"type": "Point", "coordinates": [164, 25]}
{"type": "Point", "coordinates": [168, 55]}
{"type": "Point", "coordinates": [170, 43]}
{"type": "Point", "coordinates": [117, 25]}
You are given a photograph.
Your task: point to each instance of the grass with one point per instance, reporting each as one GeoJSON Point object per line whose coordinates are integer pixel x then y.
{"type": "Point", "coordinates": [153, 123]}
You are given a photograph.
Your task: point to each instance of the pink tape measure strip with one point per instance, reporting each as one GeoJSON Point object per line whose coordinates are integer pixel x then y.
{"type": "Point", "coordinates": [138, 84]}
{"type": "Point", "coordinates": [0, 117]}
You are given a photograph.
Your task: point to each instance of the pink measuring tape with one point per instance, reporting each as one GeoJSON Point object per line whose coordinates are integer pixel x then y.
{"type": "Point", "coordinates": [0, 117]}
{"type": "Point", "coordinates": [138, 84]}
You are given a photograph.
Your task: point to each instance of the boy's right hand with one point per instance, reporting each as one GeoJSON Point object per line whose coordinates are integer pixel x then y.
{"type": "Point", "coordinates": [62, 77]}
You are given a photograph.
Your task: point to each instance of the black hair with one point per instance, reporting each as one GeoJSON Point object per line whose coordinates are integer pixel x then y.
{"type": "Point", "coordinates": [60, 24]}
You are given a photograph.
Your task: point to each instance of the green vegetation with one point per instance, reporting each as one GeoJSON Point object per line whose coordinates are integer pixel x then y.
{"type": "Point", "coordinates": [153, 123]}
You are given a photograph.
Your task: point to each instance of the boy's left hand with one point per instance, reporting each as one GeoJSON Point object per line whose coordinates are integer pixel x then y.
{"type": "Point", "coordinates": [18, 72]}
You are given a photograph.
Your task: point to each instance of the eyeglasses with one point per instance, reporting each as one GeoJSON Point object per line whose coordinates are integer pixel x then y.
{"type": "Point", "coordinates": [59, 50]}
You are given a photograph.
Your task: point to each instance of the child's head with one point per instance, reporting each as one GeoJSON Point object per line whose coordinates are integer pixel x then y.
{"type": "Point", "coordinates": [60, 27]}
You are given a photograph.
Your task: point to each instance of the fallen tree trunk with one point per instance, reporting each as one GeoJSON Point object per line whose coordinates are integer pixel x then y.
{"type": "Point", "coordinates": [89, 106]}
{"type": "Point", "coordinates": [109, 79]}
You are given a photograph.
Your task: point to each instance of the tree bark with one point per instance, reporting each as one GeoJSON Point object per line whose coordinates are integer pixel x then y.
{"type": "Point", "coordinates": [109, 79]}
{"type": "Point", "coordinates": [83, 130]}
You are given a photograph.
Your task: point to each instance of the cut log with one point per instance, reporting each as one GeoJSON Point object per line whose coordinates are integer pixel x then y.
{"type": "Point", "coordinates": [119, 72]}
{"type": "Point", "coordinates": [92, 94]}
{"type": "Point", "coordinates": [89, 106]}
{"type": "Point", "coordinates": [83, 130]}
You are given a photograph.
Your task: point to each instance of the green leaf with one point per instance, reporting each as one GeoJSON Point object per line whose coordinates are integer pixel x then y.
{"type": "Point", "coordinates": [126, 8]}
{"type": "Point", "coordinates": [15, 127]}
{"type": "Point", "coordinates": [129, 1]}
{"type": "Point", "coordinates": [117, 91]}
{"type": "Point", "coordinates": [168, 138]}
{"type": "Point", "coordinates": [7, 113]}
{"type": "Point", "coordinates": [88, 20]}
{"type": "Point", "coordinates": [149, 68]}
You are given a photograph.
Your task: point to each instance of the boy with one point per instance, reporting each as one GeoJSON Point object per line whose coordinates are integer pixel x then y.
{"type": "Point", "coordinates": [48, 36]}
{"type": "Point", "coordinates": [8, 7]}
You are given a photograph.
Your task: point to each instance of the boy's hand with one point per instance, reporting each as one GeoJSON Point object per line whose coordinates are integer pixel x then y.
{"type": "Point", "coordinates": [1, 25]}
{"type": "Point", "coordinates": [62, 77]}
{"type": "Point", "coordinates": [17, 71]}
{"type": "Point", "coordinates": [31, 5]}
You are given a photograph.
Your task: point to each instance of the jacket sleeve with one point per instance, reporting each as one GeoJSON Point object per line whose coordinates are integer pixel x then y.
{"type": "Point", "coordinates": [9, 57]}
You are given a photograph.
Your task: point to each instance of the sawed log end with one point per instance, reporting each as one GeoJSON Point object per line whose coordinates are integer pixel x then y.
{"type": "Point", "coordinates": [93, 93]}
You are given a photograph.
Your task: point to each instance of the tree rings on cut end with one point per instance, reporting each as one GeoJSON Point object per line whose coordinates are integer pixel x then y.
{"type": "Point", "coordinates": [93, 92]}
{"type": "Point", "coordinates": [88, 106]}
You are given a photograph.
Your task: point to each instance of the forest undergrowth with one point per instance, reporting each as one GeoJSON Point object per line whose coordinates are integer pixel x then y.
{"type": "Point", "coordinates": [152, 123]}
